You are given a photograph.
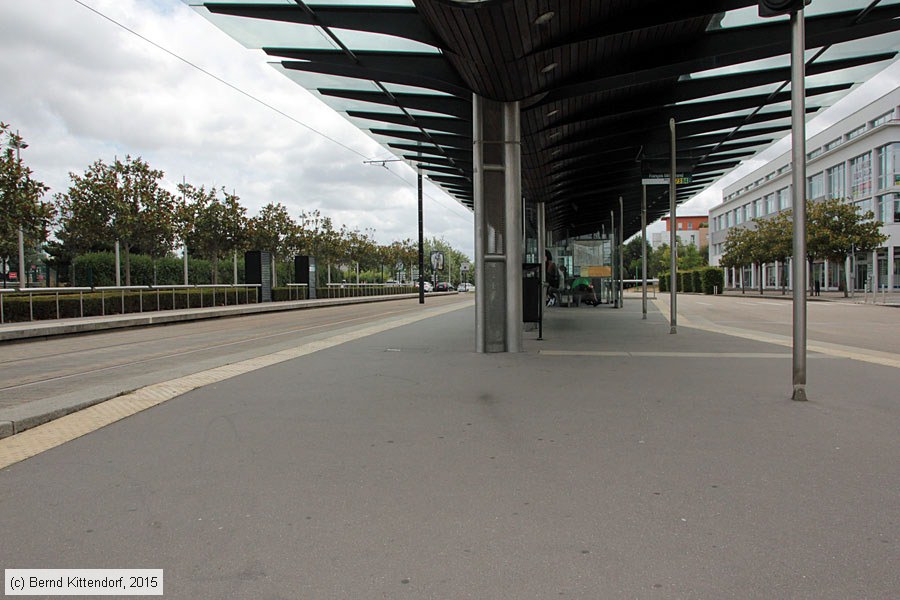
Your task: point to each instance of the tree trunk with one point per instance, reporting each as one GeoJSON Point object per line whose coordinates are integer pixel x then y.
{"type": "Point", "coordinates": [845, 286]}
{"type": "Point", "coordinates": [759, 274]}
{"type": "Point", "coordinates": [811, 286]}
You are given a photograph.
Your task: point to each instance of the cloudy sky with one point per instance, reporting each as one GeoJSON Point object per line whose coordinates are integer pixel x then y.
{"type": "Point", "coordinates": [78, 88]}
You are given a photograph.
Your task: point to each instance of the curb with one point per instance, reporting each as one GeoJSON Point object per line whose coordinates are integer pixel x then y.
{"type": "Point", "coordinates": [39, 329]}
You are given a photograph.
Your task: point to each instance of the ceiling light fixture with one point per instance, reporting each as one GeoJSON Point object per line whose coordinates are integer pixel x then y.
{"type": "Point", "coordinates": [544, 18]}
{"type": "Point", "coordinates": [549, 67]}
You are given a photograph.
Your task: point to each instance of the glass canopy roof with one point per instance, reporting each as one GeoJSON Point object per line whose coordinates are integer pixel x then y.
{"type": "Point", "coordinates": [404, 72]}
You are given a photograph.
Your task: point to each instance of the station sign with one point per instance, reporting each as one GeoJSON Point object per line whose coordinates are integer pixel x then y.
{"type": "Point", "coordinates": [663, 179]}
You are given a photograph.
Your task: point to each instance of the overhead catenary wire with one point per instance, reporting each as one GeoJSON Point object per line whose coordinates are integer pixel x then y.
{"type": "Point", "coordinates": [254, 98]}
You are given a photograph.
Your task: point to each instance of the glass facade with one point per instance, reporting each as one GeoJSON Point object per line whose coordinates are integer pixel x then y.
{"type": "Point", "coordinates": [837, 181]}
{"type": "Point", "coordinates": [784, 198]}
{"type": "Point", "coordinates": [816, 186]}
{"type": "Point", "coordinates": [861, 175]}
{"type": "Point", "coordinates": [885, 208]}
{"type": "Point", "coordinates": [884, 162]}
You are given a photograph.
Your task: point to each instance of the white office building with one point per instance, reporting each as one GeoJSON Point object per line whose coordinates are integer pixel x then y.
{"type": "Point", "coordinates": [857, 159]}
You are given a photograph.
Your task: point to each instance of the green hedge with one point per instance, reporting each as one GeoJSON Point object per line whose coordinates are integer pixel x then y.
{"type": "Point", "coordinates": [111, 303]}
{"type": "Point", "coordinates": [697, 280]}
{"type": "Point", "coordinates": [713, 278]}
{"type": "Point", "coordinates": [99, 269]}
{"type": "Point", "coordinates": [686, 281]}
{"type": "Point", "coordinates": [663, 282]}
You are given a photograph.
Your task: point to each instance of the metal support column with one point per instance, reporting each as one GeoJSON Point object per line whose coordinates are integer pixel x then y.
{"type": "Point", "coordinates": [614, 264]}
{"type": "Point", "coordinates": [21, 274]}
{"type": "Point", "coordinates": [621, 254]}
{"type": "Point", "coordinates": [644, 251]}
{"type": "Point", "coordinates": [542, 241]}
{"type": "Point", "coordinates": [421, 240]}
{"type": "Point", "coordinates": [118, 267]}
{"type": "Point", "coordinates": [498, 216]}
{"type": "Point", "coordinates": [798, 147]}
{"type": "Point", "coordinates": [673, 240]}
{"type": "Point", "coordinates": [512, 162]}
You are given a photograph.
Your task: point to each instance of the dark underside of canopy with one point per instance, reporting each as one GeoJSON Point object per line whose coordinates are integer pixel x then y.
{"type": "Point", "coordinates": [597, 81]}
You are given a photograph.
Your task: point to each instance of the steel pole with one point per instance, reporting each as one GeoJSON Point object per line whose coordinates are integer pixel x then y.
{"type": "Point", "coordinates": [644, 251]}
{"type": "Point", "coordinates": [673, 240]}
{"type": "Point", "coordinates": [118, 268]}
{"type": "Point", "coordinates": [22, 258]}
{"type": "Point", "coordinates": [798, 166]}
{"type": "Point", "coordinates": [421, 241]}
{"type": "Point", "coordinates": [621, 254]}
{"type": "Point", "coordinates": [614, 288]}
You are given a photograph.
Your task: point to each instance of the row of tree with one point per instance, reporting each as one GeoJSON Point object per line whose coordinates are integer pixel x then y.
{"type": "Point", "coordinates": [125, 201]}
{"type": "Point", "coordinates": [834, 229]}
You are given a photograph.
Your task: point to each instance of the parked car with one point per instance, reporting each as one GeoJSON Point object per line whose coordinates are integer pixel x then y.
{"type": "Point", "coordinates": [466, 287]}
{"type": "Point", "coordinates": [444, 286]}
{"type": "Point", "coordinates": [427, 285]}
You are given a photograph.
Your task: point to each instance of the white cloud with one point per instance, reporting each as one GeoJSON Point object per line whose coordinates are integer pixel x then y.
{"type": "Point", "coordinates": [79, 88]}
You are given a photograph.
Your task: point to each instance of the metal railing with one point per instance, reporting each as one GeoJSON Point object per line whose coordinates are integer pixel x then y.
{"type": "Point", "coordinates": [142, 290]}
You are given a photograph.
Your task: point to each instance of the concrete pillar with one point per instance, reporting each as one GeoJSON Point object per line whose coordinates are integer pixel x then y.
{"type": "Point", "coordinates": [498, 225]}
{"type": "Point", "coordinates": [874, 271]}
{"type": "Point", "coordinates": [891, 282]}
{"type": "Point", "coordinates": [826, 282]}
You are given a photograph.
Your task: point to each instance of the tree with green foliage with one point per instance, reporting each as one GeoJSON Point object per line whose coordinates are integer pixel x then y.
{"type": "Point", "coordinates": [631, 258]}
{"type": "Point", "coordinates": [123, 201]}
{"type": "Point", "coordinates": [20, 198]}
{"type": "Point", "coordinates": [220, 228]}
{"type": "Point", "coordinates": [774, 235]}
{"type": "Point", "coordinates": [836, 228]}
{"type": "Point", "coordinates": [275, 231]}
{"type": "Point", "coordinates": [738, 251]}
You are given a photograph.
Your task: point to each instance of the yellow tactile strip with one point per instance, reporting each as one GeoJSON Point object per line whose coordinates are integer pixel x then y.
{"type": "Point", "coordinates": [49, 435]}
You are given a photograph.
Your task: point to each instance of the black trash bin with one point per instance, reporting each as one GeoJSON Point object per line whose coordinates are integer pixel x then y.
{"type": "Point", "coordinates": [532, 298]}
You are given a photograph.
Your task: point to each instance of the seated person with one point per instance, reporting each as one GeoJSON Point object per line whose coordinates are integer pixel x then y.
{"type": "Point", "coordinates": [584, 291]}
{"type": "Point", "coordinates": [552, 277]}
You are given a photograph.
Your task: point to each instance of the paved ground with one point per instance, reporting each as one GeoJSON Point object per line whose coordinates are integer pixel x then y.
{"type": "Point", "coordinates": [611, 460]}
{"type": "Point", "coordinates": [46, 378]}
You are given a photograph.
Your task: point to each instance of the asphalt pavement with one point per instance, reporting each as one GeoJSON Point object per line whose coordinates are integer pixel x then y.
{"type": "Point", "coordinates": [610, 460]}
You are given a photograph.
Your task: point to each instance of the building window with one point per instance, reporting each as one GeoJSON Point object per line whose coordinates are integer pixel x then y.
{"type": "Point", "coordinates": [813, 154]}
{"type": "Point", "coordinates": [770, 204]}
{"type": "Point", "coordinates": [885, 118]}
{"type": "Point", "coordinates": [861, 175]}
{"type": "Point", "coordinates": [783, 169]}
{"type": "Point", "coordinates": [864, 206]}
{"type": "Point", "coordinates": [832, 144]}
{"type": "Point", "coordinates": [784, 198]}
{"type": "Point", "coordinates": [728, 220]}
{"type": "Point", "coordinates": [896, 208]}
{"type": "Point", "coordinates": [836, 182]}
{"type": "Point", "coordinates": [856, 132]}
{"type": "Point", "coordinates": [738, 216]}
{"type": "Point", "coordinates": [758, 208]}
{"type": "Point", "coordinates": [884, 162]}
{"type": "Point", "coordinates": [690, 225]}
{"type": "Point", "coordinates": [680, 224]}
{"type": "Point", "coordinates": [885, 208]}
{"type": "Point", "coordinates": [815, 186]}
